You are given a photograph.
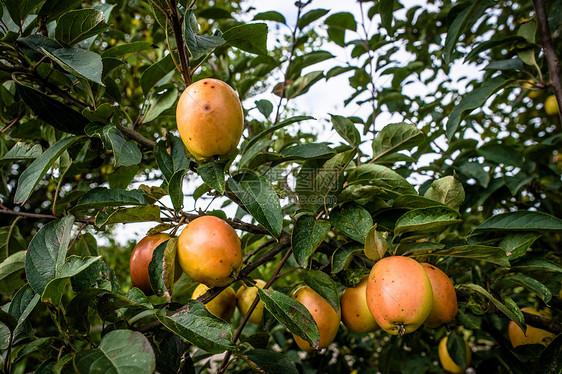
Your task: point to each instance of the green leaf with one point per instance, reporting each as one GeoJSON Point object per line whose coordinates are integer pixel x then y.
{"type": "Point", "coordinates": [532, 285]}
{"type": "Point", "coordinates": [47, 252]}
{"type": "Point", "coordinates": [77, 309]}
{"type": "Point", "coordinates": [271, 362]}
{"type": "Point", "coordinates": [120, 351]}
{"type": "Point", "coordinates": [124, 49]}
{"type": "Point", "coordinates": [31, 176]}
{"type": "Point", "coordinates": [77, 25]}
{"type": "Point", "coordinates": [307, 235]}
{"type": "Point", "coordinates": [213, 174]}
{"type": "Point", "coordinates": [20, 9]}
{"type": "Point", "coordinates": [256, 149]}
{"type": "Point", "coordinates": [476, 171]}
{"type": "Point", "coordinates": [343, 255]}
{"type": "Point", "coordinates": [260, 199]}
{"type": "Point", "coordinates": [536, 266]}
{"type": "Point", "coordinates": [426, 219]}
{"type": "Point", "coordinates": [518, 319]}
{"type": "Point", "coordinates": [148, 213]}
{"type": "Point", "coordinates": [328, 179]}
{"type": "Point", "coordinates": [199, 327]}
{"type": "Point", "coordinates": [78, 62]}
{"type": "Point", "coordinates": [501, 154]}
{"type": "Point", "coordinates": [101, 197]}
{"type": "Point", "coordinates": [386, 10]}
{"type": "Point", "coordinates": [162, 267]}
{"type": "Point", "coordinates": [311, 16]}
{"type": "Point", "coordinates": [161, 101]}
{"type": "Point", "coordinates": [250, 37]}
{"type": "Point", "coordinates": [125, 151]}
{"type": "Point", "coordinates": [171, 162]}
{"type": "Point", "coordinates": [474, 99]}
{"type": "Point", "coordinates": [353, 221]}
{"type": "Point", "coordinates": [175, 186]}
{"type": "Point", "coordinates": [55, 113]}
{"type": "Point", "coordinates": [12, 265]}
{"type": "Point", "coordinates": [380, 176]}
{"type": "Point", "coordinates": [74, 265]}
{"type": "Point", "coordinates": [272, 129]}
{"type": "Point", "coordinates": [550, 361]}
{"type": "Point", "coordinates": [270, 16]}
{"type": "Point", "coordinates": [396, 137]}
{"type": "Point", "coordinates": [343, 20]}
{"type": "Point", "coordinates": [199, 45]}
{"type": "Point", "coordinates": [522, 221]}
{"type": "Point", "coordinates": [22, 151]}
{"type": "Point", "coordinates": [456, 346]}
{"type": "Point", "coordinates": [265, 107]}
{"type": "Point", "coordinates": [446, 190]}
{"type": "Point", "coordinates": [458, 27]}
{"type": "Point", "coordinates": [346, 129]}
{"type": "Point", "coordinates": [324, 286]}
{"type": "Point", "coordinates": [516, 244]}
{"type": "Point", "coordinates": [109, 304]}
{"type": "Point", "coordinates": [292, 314]}
{"type": "Point", "coordinates": [21, 306]}
{"type": "Point", "coordinates": [156, 73]}
{"type": "Point", "coordinates": [476, 252]}
{"type": "Point", "coordinates": [414, 202]}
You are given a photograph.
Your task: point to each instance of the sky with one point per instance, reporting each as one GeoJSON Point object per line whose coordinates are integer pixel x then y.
{"type": "Point", "coordinates": [324, 98]}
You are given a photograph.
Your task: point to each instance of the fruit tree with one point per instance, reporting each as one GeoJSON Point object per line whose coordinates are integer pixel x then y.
{"type": "Point", "coordinates": [191, 186]}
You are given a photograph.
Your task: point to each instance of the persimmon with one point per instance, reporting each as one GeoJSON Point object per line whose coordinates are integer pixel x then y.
{"type": "Point", "coordinates": [355, 312]}
{"type": "Point", "coordinates": [245, 297]}
{"type": "Point", "coordinates": [209, 251]}
{"type": "Point", "coordinates": [222, 305]}
{"type": "Point", "coordinates": [551, 105]}
{"type": "Point", "coordinates": [399, 294]}
{"type": "Point", "coordinates": [210, 119]}
{"type": "Point", "coordinates": [533, 335]}
{"type": "Point", "coordinates": [445, 306]}
{"type": "Point", "coordinates": [140, 259]}
{"type": "Point", "coordinates": [326, 318]}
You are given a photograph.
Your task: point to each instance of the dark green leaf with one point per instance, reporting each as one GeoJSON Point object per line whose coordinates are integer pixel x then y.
{"type": "Point", "coordinates": [550, 361]}
{"type": "Point", "coordinates": [518, 319]}
{"type": "Point", "coordinates": [123, 49]}
{"type": "Point", "coordinates": [109, 303]}
{"type": "Point", "coordinates": [386, 10]}
{"type": "Point", "coordinates": [346, 129]}
{"type": "Point", "coordinates": [20, 9]}
{"type": "Point", "coordinates": [324, 286]}
{"type": "Point", "coordinates": [272, 129]}
{"type": "Point", "coordinates": [292, 314]}
{"type": "Point", "coordinates": [77, 309]}
{"type": "Point", "coordinates": [457, 28]}
{"type": "Point", "coordinates": [199, 45]}
{"type": "Point", "coordinates": [250, 37]}
{"type": "Point", "coordinates": [256, 149]}
{"type": "Point", "coordinates": [343, 20]}
{"type": "Point", "coordinates": [175, 187]}
{"type": "Point", "coordinates": [396, 137]}
{"type": "Point", "coordinates": [148, 213]}
{"type": "Point", "coordinates": [77, 25]}
{"type": "Point", "coordinates": [531, 284]}
{"type": "Point", "coordinates": [476, 171]}
{"type": "Point", "coordinates": [423, 219]}
{"type": "Point", "coordinates": [21, 306]}
{"type": "Point", "coordinates": [162, 267]}
{"type": "Point", "coordinates": [55, 113]}
{"type": "Point", "coordinates": [476, 252]}
{"type": "Point", "coordinates": [446, 190]}
{"type": "Point", "coordinates": [456, 346]}
{"type": "Point", "coordinates": [311, 16]}
{"type": "Point", "coordinates": [199, 327]}
{"type": "Point", "coordinates": [156, 73]}
{"type": "Point", "coordinates": [161, 101]}
{"type": "Point", "coordinates": [380, 176]}
{"type": "Point", "coordinates": [537, 266]}
{"type": "Point", "coordinates": [47, 252]}
{"type": "Point", "coordinates": [12, 264]}
{"type": "Point", "coordinates": [260, 199]}
{"type": "Point", "coordinates": [101, 197]}
{"type": "Point", "coordinates": [352, 220]}
{"type": "Point", "coordinates": [31, 176]}
{"type": "Point", "coordinates": [343, 256]}
{"type": "Point", "coordinates": [307, 235]}
{"type": "Point", "coordinates": [22, 151]}
{"type": "Point", "coordinates": [500, 154]}
{"type": "Point", "coordinates": [271, 362]}
{"type": "Point", "coordinates": [265, 107]}
{"type": "Point", "coordinates": [521, 220]}
{"type": "Point", "coordinates": [125, 151]}
{"type": "Point", "coordinates": [474, 99]}
{"type": "Point", "coordinates": [120, 351]}
{"type": "Point", "coordinates": [270, 16]}
{"type": "Point", "coordinates": [213, 174]}
{"type": "Point", "coordinates": [78, 62]}
{"type": "Point", "coordinates": [516, 244]}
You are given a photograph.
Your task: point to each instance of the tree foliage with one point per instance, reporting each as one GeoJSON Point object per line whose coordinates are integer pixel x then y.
{"type": "Point", "coordinates": [459, 170]}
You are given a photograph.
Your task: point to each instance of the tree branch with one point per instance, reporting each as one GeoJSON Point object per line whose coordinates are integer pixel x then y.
{"type": "Point", "coordinates": [542, 323]}
{"type": "Point", "coordinates": [137, 137]}
{"type": "Point", "coordinates": [180, 43]}
{"type": "Point", "coordinates": [4, 210]}
{"type": "Point", "coordinates": [551, 59]}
